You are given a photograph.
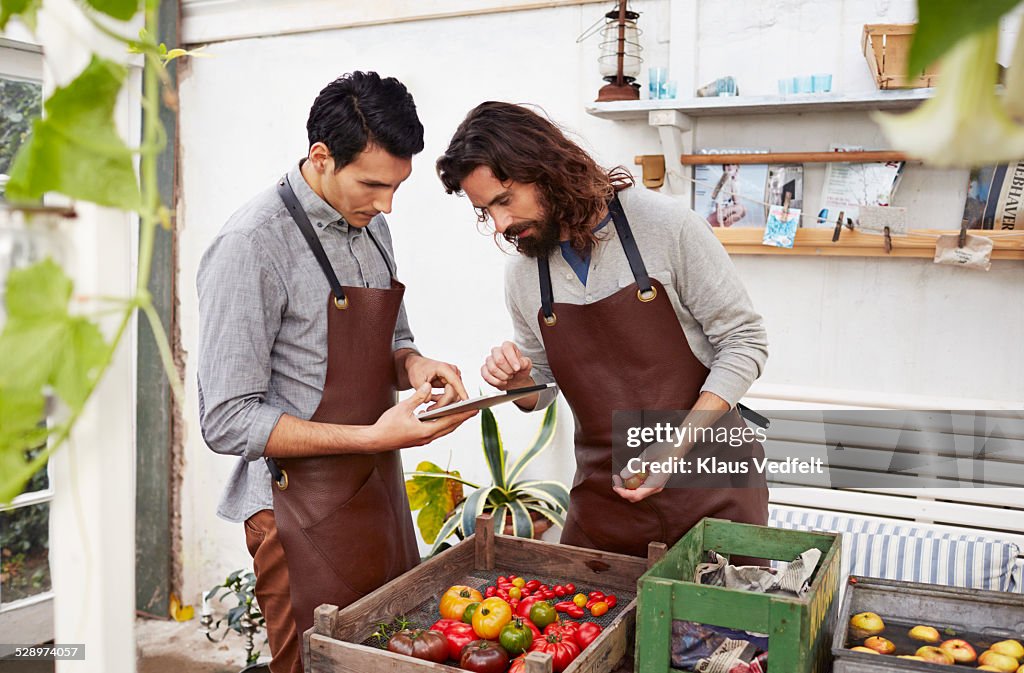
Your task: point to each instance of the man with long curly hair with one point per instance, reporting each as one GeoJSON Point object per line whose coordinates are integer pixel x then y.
{"type": "Point", "coordinates": [625, 299]}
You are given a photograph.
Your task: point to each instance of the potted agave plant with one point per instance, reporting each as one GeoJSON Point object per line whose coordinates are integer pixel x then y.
{"type": "Point", "coordinates": [523, 507]}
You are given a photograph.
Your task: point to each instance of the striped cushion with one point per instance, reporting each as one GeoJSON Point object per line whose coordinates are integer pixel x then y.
{"type": "Point", "coordinates": [906, 552]}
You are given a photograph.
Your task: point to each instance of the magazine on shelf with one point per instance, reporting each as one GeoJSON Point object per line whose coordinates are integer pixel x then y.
{"type": "Point", "coordinates": [731, 195]}
{"type": "Point", "coordinates": [851, 185]}
{"type": "Point", "coordinates": [994, 197]}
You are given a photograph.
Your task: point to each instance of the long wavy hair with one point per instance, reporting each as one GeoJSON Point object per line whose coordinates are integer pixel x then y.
{"type": "Point", "coordinates": [520, 145]}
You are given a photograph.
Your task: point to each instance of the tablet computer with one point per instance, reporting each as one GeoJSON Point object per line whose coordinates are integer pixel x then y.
{"type": "Point", "coordinates": [484, 402]}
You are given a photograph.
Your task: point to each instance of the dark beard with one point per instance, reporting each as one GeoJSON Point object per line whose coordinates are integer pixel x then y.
{"type": "Point", "coordinates": [541, 244]}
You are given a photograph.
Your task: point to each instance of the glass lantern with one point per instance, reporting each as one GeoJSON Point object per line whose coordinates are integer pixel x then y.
{"type": "Point", "coordinates": [619, 60]}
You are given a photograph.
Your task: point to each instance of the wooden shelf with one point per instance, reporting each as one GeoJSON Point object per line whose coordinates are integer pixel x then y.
{"type": "Point", "coordinates": [755, 105]}
{"type": "Point", "coordinates": [919, 243]}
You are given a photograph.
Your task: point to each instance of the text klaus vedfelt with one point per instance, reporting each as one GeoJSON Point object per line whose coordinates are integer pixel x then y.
{"type": "Point", "coordinates": [666, 433]}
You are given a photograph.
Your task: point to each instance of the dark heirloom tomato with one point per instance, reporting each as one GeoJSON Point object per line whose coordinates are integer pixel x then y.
{"type": "Point", "coordinates": [421, 644]}
{"type": "Point", "coordinates": [484, 656]}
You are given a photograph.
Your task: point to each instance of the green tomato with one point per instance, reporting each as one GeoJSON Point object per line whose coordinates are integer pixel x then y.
{"type": "Point", "coordinates": [467, 616]}
{"type": "Point", "coordinates": [542, 613]}
{"type": "Point", "coordinates": [515, 637]}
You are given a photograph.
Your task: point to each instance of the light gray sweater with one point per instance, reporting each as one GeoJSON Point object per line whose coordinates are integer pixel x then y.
{"type": "Point", "coordinates": [679, 249]}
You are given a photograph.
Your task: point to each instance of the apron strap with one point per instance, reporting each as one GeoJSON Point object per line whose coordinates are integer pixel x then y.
{"type": "Point", "coordinates": [380, 249]}
{"type": "Point", "coordinates": [636, 262]}
{"type": "Point", "coordinates": [629, 246]}
{"type": "Point", "coordinates": [547, 297]}
{"type": "Point", "coordinates": [284, 190]}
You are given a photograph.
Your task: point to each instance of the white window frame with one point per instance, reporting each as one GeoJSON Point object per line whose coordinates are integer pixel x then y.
{"type": "Point", "coordinates": [28, 620]}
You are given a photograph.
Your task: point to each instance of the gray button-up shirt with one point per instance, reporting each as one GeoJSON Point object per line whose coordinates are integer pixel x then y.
{"type": "Point", "coordinates": [263, 327]}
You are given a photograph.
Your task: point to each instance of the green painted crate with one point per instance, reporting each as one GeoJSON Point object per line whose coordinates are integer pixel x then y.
{"type": "Point", "coordinates": [799, 630]}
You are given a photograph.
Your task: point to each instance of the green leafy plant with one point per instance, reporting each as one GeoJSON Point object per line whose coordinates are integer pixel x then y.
{"type": "Point", "coordinates": [507, 494]}
{"type": "Point", "coordinates": [75, 149]}
{"type": "Point", "coordinates": [245, 617]}
{"type": "Point", "coordinates": [384, 630]}
{"type": "Point", "coordinates": [965, 123]}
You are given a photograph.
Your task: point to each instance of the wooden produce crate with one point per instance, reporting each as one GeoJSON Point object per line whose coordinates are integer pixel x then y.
{"type": "Point", "coordinates": [979, 617]}
{"type": "Point", "coordinates": [799, 629]}
{"type": "Point", "coordinates": [886, 47]}
{"type": "Point", "coordinates": [340, 640]}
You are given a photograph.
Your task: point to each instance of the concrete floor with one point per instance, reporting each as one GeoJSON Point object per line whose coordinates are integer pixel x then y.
{"type": "Point", "coordinates": [168, 647]}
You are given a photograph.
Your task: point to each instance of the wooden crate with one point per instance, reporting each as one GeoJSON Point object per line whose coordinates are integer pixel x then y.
{"type": "Point", "coordinates": [886, 47]}
{"type": "Point", "coordinates": [994, 615]}
{"type": "Point", "coordinates": [799, 629]}
{"type": "Point", "coordinates": [336, 643]}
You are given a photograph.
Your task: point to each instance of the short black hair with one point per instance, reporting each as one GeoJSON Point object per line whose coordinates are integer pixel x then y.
{"type": "Point", "coordinates": [360, 108]}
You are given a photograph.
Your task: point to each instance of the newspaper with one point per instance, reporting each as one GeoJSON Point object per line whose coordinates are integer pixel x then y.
{"type": "Point", "coordinates": [994, 197]}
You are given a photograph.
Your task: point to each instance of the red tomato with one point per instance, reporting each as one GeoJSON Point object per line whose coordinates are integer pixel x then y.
{"type": "Point", "coordinates": [442, 624]}
{"type": "Point", "coordinates": [458, 636]}
{"type": "Point", "coordinates": [532, 585]}
{"type": "Point", "coordinates": [502, 579]}
{"type": "Point", "coordinates": [562, 650]}
{"type": "Point", "coordinates": [563, 627]}
{"type": "Point", "coordinates": [518, 664]}
{"type": "Point", "coordinates": [611, 600]}
{"type": "Point", "coordinates": [575, 611]}
{"type": "Point", "coordinates": [570, 588]}
{"type": "Point", "coordinates": [596, 594]}
{"type": "Point", "coordinates": [533, 627]}
{"type": "Point", "coordinates": [564, 606]}
{"type": "Point", "coordinates": [525, 604]}
{"type": "Point", "coordinates": [490, 591]}
{"type": "Point", "coordinates": [586, 634]}
{"type": "Point", "coordinates": [559, 590]}
{"type": "Point", "coordinates": [547, 594]}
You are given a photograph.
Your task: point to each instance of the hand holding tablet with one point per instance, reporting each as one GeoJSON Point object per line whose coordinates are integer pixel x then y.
{"type": "Point", "coordinates": [484, 402]}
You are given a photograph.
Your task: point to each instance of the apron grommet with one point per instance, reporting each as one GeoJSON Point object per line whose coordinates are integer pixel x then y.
{"type": "Point", "coordinates": [650, 294]}
{"type": "Point", "coordinates": [550, 320]}
{"type": "Point", "coordinates": [341, 304]}
{"type": "Point", "coordinates": [283, 484]}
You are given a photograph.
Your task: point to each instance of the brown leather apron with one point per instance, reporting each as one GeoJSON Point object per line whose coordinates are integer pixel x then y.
{"type": "Point", "coordinates": [626, 352]}
{"type": "Point", "coordinates": [344, 520]}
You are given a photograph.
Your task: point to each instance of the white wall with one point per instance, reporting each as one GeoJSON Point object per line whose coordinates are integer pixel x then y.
{"type": "Point", "coordinates": [878, 325]}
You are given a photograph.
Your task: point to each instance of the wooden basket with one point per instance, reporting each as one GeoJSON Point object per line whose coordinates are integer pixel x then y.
{"type": "Point", "coordinates": [337, 641]}
{"type": "Point", "coordinates": [886, 47]}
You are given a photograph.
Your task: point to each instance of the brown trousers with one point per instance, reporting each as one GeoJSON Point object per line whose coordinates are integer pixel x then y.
{"type": "Point", "coordinates": [272, 591]}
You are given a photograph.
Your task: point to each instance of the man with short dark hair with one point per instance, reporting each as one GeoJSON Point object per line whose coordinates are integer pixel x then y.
{"type": "Point", "coordinates": [651, 315]}
{"type": "Point", "coordinates": [303, 343]}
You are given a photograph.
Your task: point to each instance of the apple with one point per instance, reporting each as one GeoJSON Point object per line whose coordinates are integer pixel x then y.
{"type": "Point", "coordinates": [880, 645]}
{"type": "Point", "coordinates": [928, 634]}
{"type": "Point", "coordinates": [960, 650]}
{"type": "Point", "coordinates": [1021, 669]}
{"type": "Point", "coordinates": [998, 661]}
{"type": "Point", "coordinates": [934, 655]}
{"type": "Point", "coordinates": [861, 648]}
{"type": "Point", "coordinates": [1010, 648]}
{"type": "Point", "coordinates": [866, 624]}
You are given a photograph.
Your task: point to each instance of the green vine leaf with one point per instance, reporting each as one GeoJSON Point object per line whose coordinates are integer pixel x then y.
{"type": "Point", "coordinates": [75, 149]}
{"type": "Point", "coordinates": [943, 23]}
{"type": "Point", "coordinates": [44, 345]}
{"type": "Point", "coordinates": [119, 9]}
{"type": "Point", "coordinates": [433, 497]}
{"type": "Point", "coordinates": [24, 9]}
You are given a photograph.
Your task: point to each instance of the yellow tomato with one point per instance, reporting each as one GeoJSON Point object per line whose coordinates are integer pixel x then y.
{"type": "Point", "coordinates": [515, 592]}
{"type": "Point", "coordinates": [491, 617]}
{"type": "Point", "coordinates": [455, 600]}
{"type": "Point", "coordinates": [519, 582]}
{"type": "Point", "coordinates": [580, 600]}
